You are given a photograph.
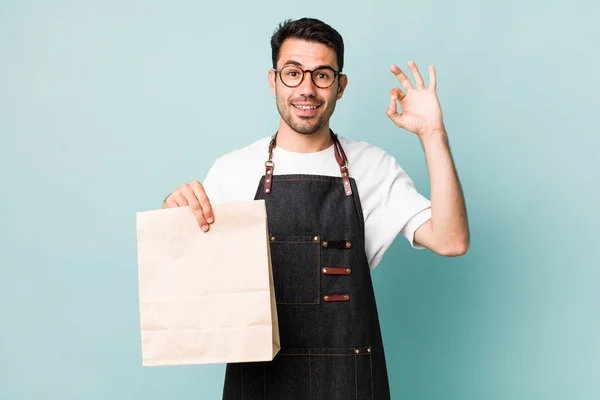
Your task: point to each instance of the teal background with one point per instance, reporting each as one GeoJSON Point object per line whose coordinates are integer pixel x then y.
{"type": "Point", "coordinates": [107, 106]}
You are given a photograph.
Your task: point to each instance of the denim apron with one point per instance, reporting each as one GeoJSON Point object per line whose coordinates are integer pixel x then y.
{"type": "Point", "coordinates": [331, 347]}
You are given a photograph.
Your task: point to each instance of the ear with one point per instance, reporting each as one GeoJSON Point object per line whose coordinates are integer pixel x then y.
{"type": "Point", "coordinates": [272, 77]}
{"type": "Point", "coordinates": [343, 79]}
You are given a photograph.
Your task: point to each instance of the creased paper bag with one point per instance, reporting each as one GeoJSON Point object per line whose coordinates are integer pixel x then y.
{"type": "Point", "coordinates": [206, 297]}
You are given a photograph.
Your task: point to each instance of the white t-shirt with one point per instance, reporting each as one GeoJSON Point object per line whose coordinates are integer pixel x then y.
{"type": "Point", "coordinates": [390, 202]}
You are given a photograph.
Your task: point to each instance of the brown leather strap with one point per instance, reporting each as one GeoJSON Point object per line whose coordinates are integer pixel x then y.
{"type": "Point", "coordinates": [340, 157]}
{"type": "Point", "coordinates": [336, 271]}
{"type": "Point", "coordinates": [269, 167]}
{"type": "Point", "coordinates": [336, 297]}
{"type": "Point", "coordinates": [342, 161]}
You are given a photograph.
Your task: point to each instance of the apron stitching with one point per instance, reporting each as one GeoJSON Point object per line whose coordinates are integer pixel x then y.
{"type": "Point", "coordinates": [309, 378]}
{"type": "Point", "coordinates": [319, 276]}
{"type": "Point", "coordinates": [355, 376]}
{"type": "Point", "coordinates": [371, 364]}
{"type": "Point", "coordinates": [332, 179]}
{"type": "Point", "coordinates": [280, 241]}
{"type": "Point", "coordinates": [320, 355]}
{"type": "Point", "coordinates": [318, 301]}
{"type": "Point", "coordinates": [359, 214]}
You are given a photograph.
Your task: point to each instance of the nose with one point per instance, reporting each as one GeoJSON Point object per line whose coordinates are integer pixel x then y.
{"type": "Point", "coordinates": [307, 86]}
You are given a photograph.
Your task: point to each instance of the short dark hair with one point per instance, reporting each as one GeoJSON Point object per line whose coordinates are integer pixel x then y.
{"type": "Point", "coordinates": [309, 29]}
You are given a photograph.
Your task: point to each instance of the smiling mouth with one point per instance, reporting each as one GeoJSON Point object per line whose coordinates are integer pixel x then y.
{"type": "Point", "coordinates": [307, 107]}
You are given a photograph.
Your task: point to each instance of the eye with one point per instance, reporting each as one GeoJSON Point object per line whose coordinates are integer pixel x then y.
{"type": "Point", "coordinates": [324, 75]}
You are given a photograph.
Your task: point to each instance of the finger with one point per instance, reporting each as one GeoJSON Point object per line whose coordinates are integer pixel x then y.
{"type": "Point", "coordinates": [182, 198]}
{"type": "Point", "coordinates": [392, 109]}
{"type": "Point", "coordinates": [190, 197]}
{"type": "Point", "coordinates": [397, 94]}
{"type": "Point", "coordinates": [392, 113]}
{"type": "Point", "coordinates": [402, 78]}
{"type": "Point", "coordinates": [201, 220]}
{"type": "Point", "coordinates": [416, 74]}
{"type": "Point", "coordinates": [170, 202]}
{"type": "Point", "coordinates": [432, 78]}
{"type": "Point", "coordinates": [177, 199]}
{"type": "Point", "coordinates": [204, 202]}
{"type": "Point", "coordinates": [188, 194]}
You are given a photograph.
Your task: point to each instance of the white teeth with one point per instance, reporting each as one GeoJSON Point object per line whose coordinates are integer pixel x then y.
{"type": "Point", "coordinates": [306, 107]}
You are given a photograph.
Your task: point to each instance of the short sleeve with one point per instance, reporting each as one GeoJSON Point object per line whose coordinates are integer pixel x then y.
{"type": "Point", "coordinates": [212, 186]}
{"type": "Point", "coordinates": [226, 182]}
{"type": "Point", "coordinates": [415, 223]}
{"type": "Point", "coordinates": [396, 208]}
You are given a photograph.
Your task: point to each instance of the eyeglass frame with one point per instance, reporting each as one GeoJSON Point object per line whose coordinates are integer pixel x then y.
{"type": "Point", "coordinates": [304, 71]}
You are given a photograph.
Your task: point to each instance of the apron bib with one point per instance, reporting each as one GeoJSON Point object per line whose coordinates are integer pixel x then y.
{"type": "Point", "coordinates": [331, 346]}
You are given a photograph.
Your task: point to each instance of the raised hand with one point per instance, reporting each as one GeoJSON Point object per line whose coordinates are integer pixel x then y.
{"type": "Point", "coordinates": [421, 111]}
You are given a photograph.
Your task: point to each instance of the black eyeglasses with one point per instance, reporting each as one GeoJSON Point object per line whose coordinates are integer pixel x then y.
{"type": "Point", "coordinates": [292, 76]}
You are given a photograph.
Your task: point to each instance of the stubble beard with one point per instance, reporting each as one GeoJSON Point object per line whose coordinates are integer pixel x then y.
{"type": "Point", "coordinates": [304, 125]}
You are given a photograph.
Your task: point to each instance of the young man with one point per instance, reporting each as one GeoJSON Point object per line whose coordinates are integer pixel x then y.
{"type": "Point", "coordinates": [334, 206]}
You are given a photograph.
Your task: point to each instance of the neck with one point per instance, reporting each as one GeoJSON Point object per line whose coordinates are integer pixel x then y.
{"type": "Point", "coordinates": [290, 140]}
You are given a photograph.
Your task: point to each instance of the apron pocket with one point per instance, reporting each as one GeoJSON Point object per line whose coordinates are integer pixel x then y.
{"type": "Point", "coordinates": [296, 268]}
{"type": "Point", "coordinates": [320, 373]}
{"type": "Point", "coordinates": [341, 373]}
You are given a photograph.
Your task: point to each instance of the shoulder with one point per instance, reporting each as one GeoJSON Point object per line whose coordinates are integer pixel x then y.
{"type": "Point", "coordinates": [234, 175]}
{"type": "Point", "coordinates": [364, 156]}
{"type": "Point", "coordinates": [355, 147]}
{"type": "Point", "coordinates": [244, 156]}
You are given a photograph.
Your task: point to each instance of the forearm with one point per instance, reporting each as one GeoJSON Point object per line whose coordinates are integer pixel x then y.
{"type": "Point", "coordinates": [448, 211]}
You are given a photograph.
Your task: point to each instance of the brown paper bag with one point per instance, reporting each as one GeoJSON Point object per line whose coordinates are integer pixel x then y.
{"type": "Point", "coordinates": [206, 297]}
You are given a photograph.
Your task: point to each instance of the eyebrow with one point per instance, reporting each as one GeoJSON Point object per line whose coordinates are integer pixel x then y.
{"type": "Point", "coordinates": [296, 63]}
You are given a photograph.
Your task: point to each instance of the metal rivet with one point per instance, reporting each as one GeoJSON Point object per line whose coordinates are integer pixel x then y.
{"type": "Point", "coordinates": [324, 243]}
{"type": "Point", "coordinates": [348, 270]}
{"type": "Point", "coordinates": [326, 298]}
{"type": "Point", "coordinates": [269, 172]}
{"type": "Point", "coordinates": [348, 193]}
{"type": "Point", "coordinates": [346, 183]}
{"type": "Point", "coordinates": [272, 238]}
{"type": "Point", "coordinates": [344, 174]}
{"type": "Point", "coordinates": [369, 349]}
{"type": "Point", "coordinates": [348, 244]}
{"type": "Point", "coordinates": [268, 180]}
{"type": "Point", "coordinates": [324, 270]}
{"type": "Point", "coordinates": [356, 351]}
{"type": "Point", "coordinates": [316, 239]}
{"type": "Point", "coordinates": [346, 297]}
{"type": "Point", "coordinates": [267, 190]}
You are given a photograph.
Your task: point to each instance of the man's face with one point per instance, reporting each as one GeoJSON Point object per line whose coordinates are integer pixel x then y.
{"type": "Point", "coordinates": [306, 108]}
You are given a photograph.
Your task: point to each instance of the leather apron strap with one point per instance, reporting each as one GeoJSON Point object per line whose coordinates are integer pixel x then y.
{"type": "Point", "coordinates": [340, 157]}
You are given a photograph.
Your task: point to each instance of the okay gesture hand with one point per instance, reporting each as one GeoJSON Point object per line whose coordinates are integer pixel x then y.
{"type": "Point", "coordinates": [421, 111]}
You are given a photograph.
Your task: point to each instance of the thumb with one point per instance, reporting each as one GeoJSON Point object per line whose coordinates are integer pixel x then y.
{"type": "Point", "coordinates": [392, 107]}
{"type": "Point", "coordinates": [392, 113]}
